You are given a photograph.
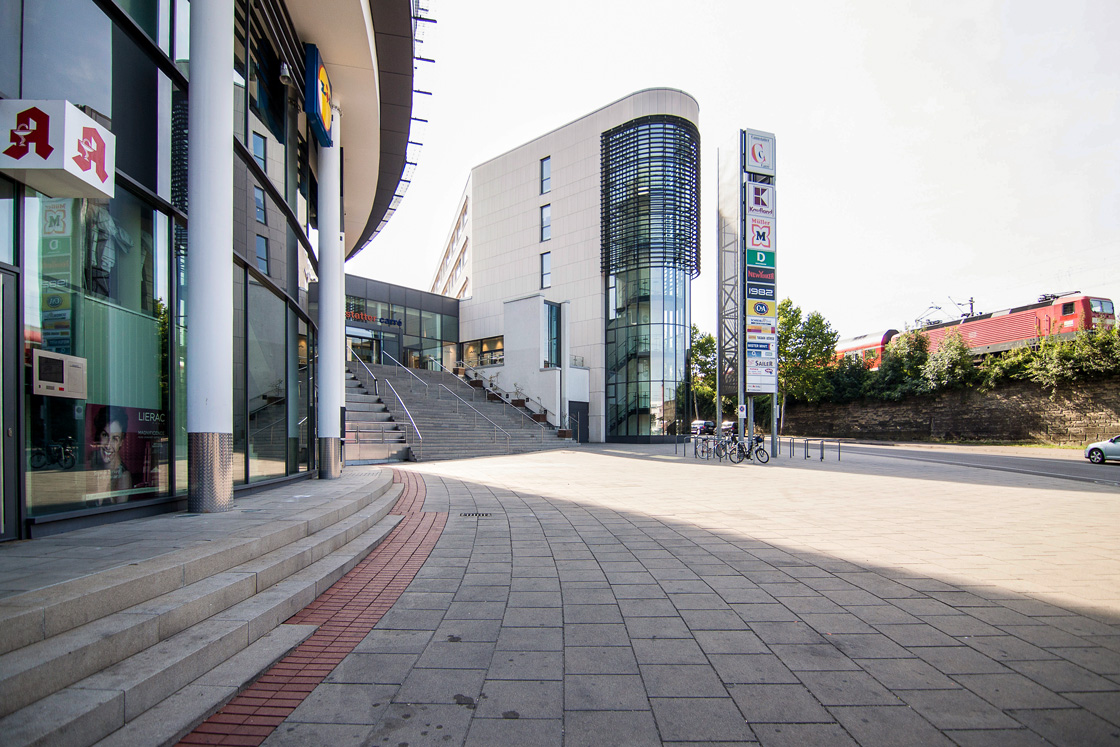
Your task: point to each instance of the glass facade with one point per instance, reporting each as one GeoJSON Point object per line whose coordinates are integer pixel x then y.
{"type": "Point", "coordinates": [96, 276]}
{"type": "Point", "coordinates": [103, 280]}
{"type": "Point", "coordinates": [650, 253]}
{"type": "Point", "coordinates": [422, 332]}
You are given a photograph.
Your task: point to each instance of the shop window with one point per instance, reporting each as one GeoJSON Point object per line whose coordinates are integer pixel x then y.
{"type": "Point", "coordinates": [546, 270]}
{"type": "Point", "coordinates": [546, 222]}
{"type": "Point", "coordinates": [267, 384]}
{"type": "Point", "coordinates": [262, 254]}
{"type": "Point", "coordinates": [95, 287]}
{"type": "Point", "coordinates": [486, 352]}
{"type": "Point", "coordinates": [7, 221]}
{"type": "Point", "coordinates": [258, 204]}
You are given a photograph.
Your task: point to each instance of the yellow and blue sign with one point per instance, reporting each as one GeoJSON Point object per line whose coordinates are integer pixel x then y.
{"type": "Point", "coordinates": [317, 102]}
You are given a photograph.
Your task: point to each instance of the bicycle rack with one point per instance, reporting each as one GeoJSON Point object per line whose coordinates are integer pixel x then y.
{"type": "Point", "coordinates": [805, 444]}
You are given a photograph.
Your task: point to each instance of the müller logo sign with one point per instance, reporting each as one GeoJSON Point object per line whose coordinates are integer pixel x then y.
{"type": "Point", "coordinates": [57, 149]}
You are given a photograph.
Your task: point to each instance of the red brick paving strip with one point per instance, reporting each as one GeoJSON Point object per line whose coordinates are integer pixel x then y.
{"type": "Point", "coordinates": [345, 613]}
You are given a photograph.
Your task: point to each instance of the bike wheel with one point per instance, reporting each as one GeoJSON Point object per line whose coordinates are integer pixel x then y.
{"type": "Point", "coordinates": [38, 460]}
{"type": "Point", "coordinates": [68, 461]}
{"type": "Point", "coordinates": [761, 455]}
{"type": "Point", "coordinates": [721, 449]}
{"type": "Point", "coordinates": [736, 454]}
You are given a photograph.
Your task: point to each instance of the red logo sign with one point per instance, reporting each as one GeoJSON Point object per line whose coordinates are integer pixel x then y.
{"type": "Point", "coordinates": [91, 153]}
{"type": "Point", "coordinates": [32, 130]}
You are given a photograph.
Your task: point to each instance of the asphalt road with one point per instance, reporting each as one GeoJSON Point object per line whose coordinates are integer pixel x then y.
{"type": "Point", "coordinates": [1066, 465]}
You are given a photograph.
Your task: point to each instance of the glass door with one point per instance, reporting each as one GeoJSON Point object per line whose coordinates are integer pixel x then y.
{"type": "Point", "coordinates": [9, 493]}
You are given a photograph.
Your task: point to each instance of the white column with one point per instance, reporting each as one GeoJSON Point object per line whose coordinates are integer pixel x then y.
{"type": "Point", "coordinates": [210, 259]}
{"type": "Point", "coordinates": [332, 329]}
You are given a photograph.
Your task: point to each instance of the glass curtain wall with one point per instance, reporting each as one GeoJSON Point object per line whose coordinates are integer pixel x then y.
{"type": "Point", "coordinates": [95, 286]}
{"type": "Point", "coordinates": [650, 253]}
{"type": "Point", "coordinates": [104, 280]}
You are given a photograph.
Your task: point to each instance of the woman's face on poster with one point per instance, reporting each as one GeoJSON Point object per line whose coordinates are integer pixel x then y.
{"type": "Point", "coordinates": [109, 442]}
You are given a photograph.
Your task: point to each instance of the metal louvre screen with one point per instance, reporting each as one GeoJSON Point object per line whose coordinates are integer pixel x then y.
{"type": "Point", "coordinates": [650, 209]}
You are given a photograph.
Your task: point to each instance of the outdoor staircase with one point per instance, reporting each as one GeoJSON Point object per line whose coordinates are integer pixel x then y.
{"type": "Point", "coordinates": [142, 652]}
{"type": "Point", "coordinates": [372, 435]}
{"type": "Point", "coordinates": [450, 428]}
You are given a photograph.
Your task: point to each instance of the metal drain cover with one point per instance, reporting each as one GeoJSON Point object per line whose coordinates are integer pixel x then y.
{"type": "Point", "coordinates": [473, 514]}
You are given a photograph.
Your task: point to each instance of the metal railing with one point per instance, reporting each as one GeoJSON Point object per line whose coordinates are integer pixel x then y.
{"type": "Point", "coordinates": [805, 446]}
{"type": "Point", "coordinates": [505, 396]}
{"type": "Point", "coordinates": [540, 426]}
{"type": "Point", "coordinates": [375, 380]}
{"type": "Point", "coordinates": [406, 368]}
{"type": "Point", "coordinates": [419, 436]}
{"type": "Point", "coordinates": [478, 414]}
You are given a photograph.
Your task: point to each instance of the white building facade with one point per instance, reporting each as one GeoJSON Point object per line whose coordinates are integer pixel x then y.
{"type": "Point", "coordinates": [572, 256]}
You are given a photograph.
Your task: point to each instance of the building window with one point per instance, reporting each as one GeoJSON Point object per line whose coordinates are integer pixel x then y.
{"type": "Point", "coordinates": [546, 222]}
{"type": "Point", "coordinates": [546, 175]}
{"type": "Point", "coordinates": [260, 145]}
{"type": "Point", "coordinates": [552, 345]}
{"type": "Point", "coordinates": [546, 270]}
{"type": "Point", "coordinates": [262, 254]}
{"type": "Point", "coordinates": [258, 202]}
{"type": "Point", "coordinates": [486, 352]}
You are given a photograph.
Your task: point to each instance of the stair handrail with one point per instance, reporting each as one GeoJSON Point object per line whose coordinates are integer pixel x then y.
{"type": "Point", "coordinates": [372, 375]}
{"type": "Point", "coordinates": [406, 368]}
{"type": "Point", "coordinates": [543, 428]}
{"type": "Point", "coordinates": [505, 396]}
{"type": "Point", "coordinates": [476, 412]}
{"type": "Point", "coordinates": [419, 435]}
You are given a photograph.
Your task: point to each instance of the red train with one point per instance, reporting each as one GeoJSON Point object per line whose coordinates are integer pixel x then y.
{"type": "Point", "coordinates": [1060, 316]}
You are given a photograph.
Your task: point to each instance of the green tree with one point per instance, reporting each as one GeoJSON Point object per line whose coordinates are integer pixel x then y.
{"type": "Point", "coordinates": [806, 349]}
{"type": "Point", "coordinates": [950, 366]}
{"type": "Point", "coordinates": [703, 374]}
{"type": "Point", "coordinates": [848, 378]}
{"type": "Point", "coordinates": [900, 373]}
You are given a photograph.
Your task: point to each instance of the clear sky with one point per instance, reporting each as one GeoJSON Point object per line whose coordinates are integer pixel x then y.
{"type": "Point", "coordinates": [927, 151]}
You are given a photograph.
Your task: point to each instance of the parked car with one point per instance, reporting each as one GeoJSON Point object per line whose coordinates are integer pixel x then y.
{"type": "Point", "coordinates": [1101, 451]}
{"type": "Point", "coordinates": [703, 427]}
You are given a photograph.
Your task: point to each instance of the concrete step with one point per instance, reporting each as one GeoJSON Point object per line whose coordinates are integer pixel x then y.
{"type": "Point", "coordinates": [33, 672]}
{"type": "Point", "coordinates": [42, 613]}
{"type": "Point", "coordinates": [259, 595]}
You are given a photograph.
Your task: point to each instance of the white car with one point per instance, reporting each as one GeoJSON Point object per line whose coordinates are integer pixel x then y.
{"type": "Point", "coordinates": [1101, 451]}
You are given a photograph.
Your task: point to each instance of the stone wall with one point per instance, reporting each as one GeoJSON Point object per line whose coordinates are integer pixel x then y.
{"type": "Point", "coordinates": [1074, 415]}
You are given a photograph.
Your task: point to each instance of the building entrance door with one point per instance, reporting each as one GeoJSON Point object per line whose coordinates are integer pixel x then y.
{"type": "Point", "coordinates": [9, 360]}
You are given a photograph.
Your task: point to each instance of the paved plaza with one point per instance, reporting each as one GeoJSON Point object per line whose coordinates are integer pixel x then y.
{"type": "Point", "coordinates": [615, 595]}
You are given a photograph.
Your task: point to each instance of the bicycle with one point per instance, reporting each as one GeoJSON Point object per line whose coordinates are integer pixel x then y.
{"type": "Point", "coordinates": [61, 453]}
{"type": "Point", "coordinates": [740, 451]}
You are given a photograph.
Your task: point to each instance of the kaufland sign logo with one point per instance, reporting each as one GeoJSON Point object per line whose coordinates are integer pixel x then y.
{"type": "Point", "coordinates": [57, 149]}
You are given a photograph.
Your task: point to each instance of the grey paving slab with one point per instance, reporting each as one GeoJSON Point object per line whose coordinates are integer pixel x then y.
{"type": "Point", "coordinates": [779, 704]}
{"type": "Point", "coordinates": [521, 699]}
{"type": "Point", "coordinates": [889, 726]}
{"type": "Point", "coordinates": [620, 728]}
{"type": "Point", "coordinates": [700, 720]}
{"type": "Point", "coordinates": [296, 734]}
{"type": "Point", "coordinates": [344, 704]}
{"type": "Point", "coordinates": [802, 735]}
{"type": "Point", "coordinates": [604, 692]}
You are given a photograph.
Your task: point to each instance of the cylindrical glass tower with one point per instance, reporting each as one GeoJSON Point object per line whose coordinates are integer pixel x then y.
{"type": "Point", "coordinates": [650, 217]}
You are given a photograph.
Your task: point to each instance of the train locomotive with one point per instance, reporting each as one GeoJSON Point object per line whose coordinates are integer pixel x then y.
{"type": "Point", "coordinates": [1051, 316]}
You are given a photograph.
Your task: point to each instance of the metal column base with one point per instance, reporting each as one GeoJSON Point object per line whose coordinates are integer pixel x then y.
{"type": "Point", "coordinates": [330, 458]}
{"type": "Point", "coordinates": [209, 472]}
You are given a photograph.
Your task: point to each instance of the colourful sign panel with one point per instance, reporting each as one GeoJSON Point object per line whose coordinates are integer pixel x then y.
{"type": "Point", "coordinates": [317, 102]}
